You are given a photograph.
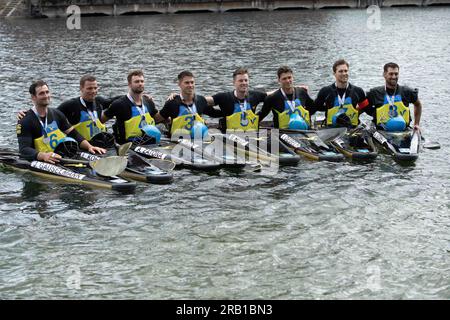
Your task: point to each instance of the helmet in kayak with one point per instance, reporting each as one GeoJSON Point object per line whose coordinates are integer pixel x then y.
{"type": "Point", "coordinates": [296, 122]}
{"type": "Point", "coordinates": [67, 147]}
{"type": "Point", "coordinates": [199, 130]}
{"type": "Point", "coordinates": [103, 140]}
{"type": "Point", "coordinates": [395, 124]}
{"type": "Point", "coordinates": [152, 131]}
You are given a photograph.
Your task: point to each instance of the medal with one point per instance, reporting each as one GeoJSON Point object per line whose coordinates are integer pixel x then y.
{"type": "Point", "coordinates": [244, 120]}
{"type": "Point", "coordinates": [46, 140]}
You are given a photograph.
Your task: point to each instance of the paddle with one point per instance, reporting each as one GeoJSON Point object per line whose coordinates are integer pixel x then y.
{"type": "Point", "coordinates": [109, 166]}
{"type": "Point", "coordinates": [325, 135]}
{"type": "Point", "coordinates": [162, 164]}
{"type": "Point", "coordinates": [379, 137]}
{"type": "Point", "coordinates": [433, 145]}
{"type": "Point", "coordinates": [123, 149]}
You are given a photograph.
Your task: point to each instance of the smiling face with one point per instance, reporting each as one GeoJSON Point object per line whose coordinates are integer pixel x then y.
{"type": "Point", "coordinates": [187, 86]}
{"type": "Point", "coordinates": [42, 96]}
{"type": "Point", "coordinates": [89, 90]}
{"type": "Point", "coordinates": [341, 74]}
{"type": "Point", "coordinates": [391, 77]}
{"type": "Point", "coordinates": [240, 83]}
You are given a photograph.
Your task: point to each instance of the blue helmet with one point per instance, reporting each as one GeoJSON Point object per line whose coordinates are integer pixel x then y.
{"type": "Point", "coordinates": [296, 122]}
{"type": "Point", "coordinates": [395, 124]}
{"type": "Point", "coordinates": [152, 131]}
{"type": "Point", "coordinates": [198, 130]}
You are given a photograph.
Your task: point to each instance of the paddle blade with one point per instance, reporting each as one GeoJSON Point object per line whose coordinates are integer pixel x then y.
{"type": "Point", "coordinates": [432, 145]}
{"type": "Point", "coordinates": [123, 149]}
{"type": "Point", "coordinates": [110, 166]}
{"type": "Point", "coordinates": [165, 165]}
{"type": "Point", "coordinates": [330, 134]}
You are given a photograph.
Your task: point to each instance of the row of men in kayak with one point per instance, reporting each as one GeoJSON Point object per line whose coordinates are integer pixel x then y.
{"type": "Point", "coordinates": [82, 118]}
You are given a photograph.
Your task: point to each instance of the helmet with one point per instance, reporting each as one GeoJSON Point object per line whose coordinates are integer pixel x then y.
{"type": "Point", "coordinates": [67, 147]}
{"type": "Point", "coordinates": [395, 124]}
{"type": "Point", "coordinates": [152, 131]}
{"type": "Point", "coordinates": [296, 122]}
{"type": "Point", "coordinates": [341, 119]}
{"type": "Point", "coordinates": [103, 140]}
{"type": "Point", "coordinates": [199, 130]}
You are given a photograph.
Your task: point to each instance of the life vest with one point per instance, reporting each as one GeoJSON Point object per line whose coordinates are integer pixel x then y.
{"type": "Point", "coordinates": [389, 111]}
{"type": "Point", "coordinates": [136, 122]}
{"type": "Point", "coordinates": [242, 120]}
{"type": "Point", "coordinates": [87, 127]}
{"type": "Point", "coordinates": [346, 108]}
{"type": "Point", "coordinates": [48, 142]}
{"type": "Point", "coordinates": [285, 116]}
{"type": "Point", "coordinates": [184, 122]}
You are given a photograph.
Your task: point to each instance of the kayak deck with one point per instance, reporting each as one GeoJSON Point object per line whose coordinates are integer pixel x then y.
{"type": "Point", "coordinates": [68, 174]}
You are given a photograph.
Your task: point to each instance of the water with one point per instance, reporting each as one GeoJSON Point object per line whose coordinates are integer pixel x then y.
{"type": "Point", "coordinates": [316, 231]}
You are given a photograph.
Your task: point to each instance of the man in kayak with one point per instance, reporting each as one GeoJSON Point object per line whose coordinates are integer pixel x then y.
{"type": "Point", "coordinates": [40, 131]}
{"type": "Point", "coordinates": [84, 112]}
{"type": "Point", "coordinates": [134, 113]}
{"type": "Point", "coordinates": [290, 105]}
{"type": "Point", "coordinates": [238, 107]}
{"type": "Point", "coordinates": [186, 108]}
{"type": "Point", "coordinates": [341, 101]}
{"type": "Point", "coordinates": [389, 104]}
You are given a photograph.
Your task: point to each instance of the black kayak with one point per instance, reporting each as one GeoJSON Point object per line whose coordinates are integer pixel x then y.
{"type": "Point", "coordinates": [182, 156]}
{"type": "Point", "coordinates": [404, 146]}
{"type": "Point", "coordinates": [70, 173]}
{"type": "Point", "coordinates": [258, 147]}
{"type": "Point", "coordinates": [356, 144]}
{"type": "Point", "coordinates": [312, 144]}
{"type": "Point", "coordinates": [138, 168]}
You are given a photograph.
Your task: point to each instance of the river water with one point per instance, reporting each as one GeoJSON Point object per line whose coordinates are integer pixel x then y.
{"type": "Point", "coordinates": [315, 231]}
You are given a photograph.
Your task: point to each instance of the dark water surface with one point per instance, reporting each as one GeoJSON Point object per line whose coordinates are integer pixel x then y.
{"type": "Point", "coordinates": [316, 231]}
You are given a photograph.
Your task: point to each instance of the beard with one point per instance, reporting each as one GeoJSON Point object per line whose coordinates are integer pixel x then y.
{"type": "Point", "coordinates": [137, 90]}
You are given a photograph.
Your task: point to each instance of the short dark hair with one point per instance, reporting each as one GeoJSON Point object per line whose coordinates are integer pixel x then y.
{"type": "Point", "coordinates": [283, 69]}
{"type": "Point", "coordinates": [240, 70]}
{"type": "Point", "coordinates": [338, 63]}
{"type": "Point", "coordinates": [185, 73]}
{"type": "Point", "coordinates": [133, 73]}
{"type": "Point", "coordinates": [85, 78]}
{"type": "Point", "coordinates": [36, 84]}
{"type": "Point", "coordinates": [392, 65]}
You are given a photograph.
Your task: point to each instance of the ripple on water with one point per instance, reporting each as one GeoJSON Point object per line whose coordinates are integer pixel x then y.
{"type": "Point", "coordinates": [316, 231]}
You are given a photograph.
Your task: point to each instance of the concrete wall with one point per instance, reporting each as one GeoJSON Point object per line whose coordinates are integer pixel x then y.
{"type": "Point", "coordinates": [57, 8]}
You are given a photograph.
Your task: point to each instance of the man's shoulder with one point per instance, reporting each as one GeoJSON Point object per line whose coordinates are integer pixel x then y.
{"type": "Point", "coordinates": [379, 89]}
{"type": "Point", "coordinates": [274, 95]}
{"type": "Point", "coordinates": [70, 102]}
{"type": "Point", "coordinates": [223, 95]}
{"type": "Point", "coordinates": [29, 116]}
{"type": "Point", "coordinates": [200, 98]}
{"type": "Point", "coordinates": [355, 88]}
{"type": "Point", "coordinates": [56, 113]}
{"type": "Point", "coordinates": [258, 94]}
{"type": "Point", "coordinates": [327, 89]}
{"type": "Point", "coordinates": [121, 101]}
{"type": "Point", "coordinates": [407, 89]}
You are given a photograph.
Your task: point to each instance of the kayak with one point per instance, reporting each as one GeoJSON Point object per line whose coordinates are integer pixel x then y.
{"type": "Point", "coordinates": [183, 158]}
{"type": "Point", "coordinates": [404, 147]}
{"type": "Point", "coordinates": [137, 169]}
{"type": "Point", "coordinates": [356, 144]}
{"type": "Point", "coordinates": [259, 148]}
{"type": "Point", "coordinates": [70, 173]}
{"type": "Point", "coordinates": [312, 144]}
